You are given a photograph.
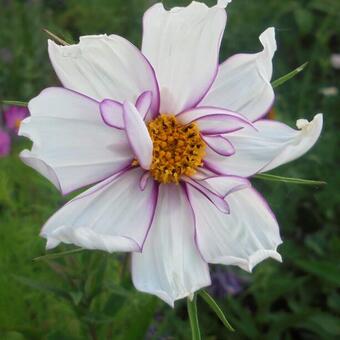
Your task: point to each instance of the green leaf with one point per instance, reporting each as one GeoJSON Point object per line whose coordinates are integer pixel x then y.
{"type": "Point", "coordinates": [76, 297]}
{"type": "Point", "coordinates": [14, 102]}
{"type": "Point", "coordinates": [55, 37]}
{"type": "Point", "coordinates": [216, 308]}
{"type": "Point", "coordinates": [325, 270]}
{"type": "Point", "coordinates": [57, 255]}
{"type": "Point", "coordinates": [289, 75]}
{"type": "Point", "coordinates": [41, 286]}
{"type": "Point", "coordinates": [275, 178]}
{"type": "Point", "coordinates": [192, 312]}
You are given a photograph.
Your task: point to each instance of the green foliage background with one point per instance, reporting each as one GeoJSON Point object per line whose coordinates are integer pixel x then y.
{"type": "Point", "coordinates": [89, 295]}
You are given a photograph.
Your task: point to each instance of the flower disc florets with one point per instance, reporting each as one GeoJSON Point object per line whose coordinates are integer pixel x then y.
{"type": "Point", "coordinates": [178, 149]}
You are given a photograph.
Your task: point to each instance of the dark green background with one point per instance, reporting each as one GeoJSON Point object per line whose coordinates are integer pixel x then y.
{"type": "Point", "coordinates": [298, 299]}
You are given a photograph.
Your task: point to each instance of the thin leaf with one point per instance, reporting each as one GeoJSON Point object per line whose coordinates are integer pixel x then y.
{"type": "Point", "coordinates": [289, 75]}
{"type": "Point", "coordinates": [216, 308]}
{"type": "Point", "coordinates": [57, 255]}
{"type": "Point", "coordinates": [55, 37]}
{"type": "Point", "coordinates": [275, 178]}
{"type": "Point", "coordinates": [192, 312]}
{"type": "Point", "coordinates": [15, 102]}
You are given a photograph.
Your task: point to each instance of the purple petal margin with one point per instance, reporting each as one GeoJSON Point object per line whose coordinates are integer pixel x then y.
{"type": "Point", "coordinates": [187, 195]}
{"type": "Point", "coordinates": [153, 201]}
{"type": "Point", "coordinates": [219, 151]}
{"type": "Point", "coordinates": [105, 114]}
{"type": "Point", "coordinates": [213, 197]}
{"type": "Point", "coordinates": [143, 103]}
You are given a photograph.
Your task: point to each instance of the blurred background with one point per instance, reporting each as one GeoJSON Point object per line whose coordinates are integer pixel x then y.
{"type": "Point", "coordinates": [89, 295]}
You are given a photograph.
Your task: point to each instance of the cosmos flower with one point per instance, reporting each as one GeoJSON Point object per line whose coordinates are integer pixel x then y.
{"type": "Point", "coordinates": [169, 138]}
{"type": "Point", "coordinates": [13, 117]}
{"type": "Point", "coordinates": [5, 143]}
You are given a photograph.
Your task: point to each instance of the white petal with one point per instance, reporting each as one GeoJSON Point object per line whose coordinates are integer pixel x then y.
{"type": "Point", "coordinates": [270, 145]}
{"type": "Point", "coordinates": [112, 113]}
{"type": "Point", "coordinates": [213, 197]}
{"type": "Point", "coordinates": [170, 265]}
{"type": "Point", "coordinates": [138, 135]}
{"type": "Point", "coordinates": [114, 215]}
{"type": "Point", "coordinates": [225, 185]}
{"type": "Point", "coordinates": [214, 120]}
{"type": "Point", "coordinates": [245, 237]}
{"type": "Point", "coordinates": [143, 103]}
{"type": "Point", "coordinates": [243, 81]}
{"type": "Point", "coordinates": [104, 67]}
{"type": "Point", "coordinates": [219, 144]}
{"type": "Point", "coordinates": [183, 46]}
{"type": "Point", "coordinates": [72, 147]}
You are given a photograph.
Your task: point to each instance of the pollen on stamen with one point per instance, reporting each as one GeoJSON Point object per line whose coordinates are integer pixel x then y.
{"type": "Point", "coordinates": [178, 149]}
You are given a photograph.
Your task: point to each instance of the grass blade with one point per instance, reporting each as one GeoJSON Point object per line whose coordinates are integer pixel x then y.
{"type": "Point", "coordinates": [194, 324]}
{"type": "Point", "coordinates": [55, 37]}
{"type": "Point", "coordinates": [14, 102]}
{"type": "Point", "coordinates": [57, 255]}
{"type": "Point", "coordinates": [289, 75]}
{"type": "Point", "coordinates": [292, 180]}
{"type": "Point", "coordinates": [216, 308]}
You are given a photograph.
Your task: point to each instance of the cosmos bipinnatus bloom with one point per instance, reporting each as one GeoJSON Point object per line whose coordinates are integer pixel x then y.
{"type": "Point", "coordinates": [168, 137]}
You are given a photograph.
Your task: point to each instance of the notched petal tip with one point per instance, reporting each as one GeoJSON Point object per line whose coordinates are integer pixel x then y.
{"type": "Point", "coordinates": [268, 40]}
{"type": "Point", "coordinates": [260, 256]}
{"type": "Point", "coordinates": [223, 3]}
{"type": "Point", "coordinates": [304, 124]}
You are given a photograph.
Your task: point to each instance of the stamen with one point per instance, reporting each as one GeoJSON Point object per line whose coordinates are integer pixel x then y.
{"type": "Point", "coordinates": [178, 149]}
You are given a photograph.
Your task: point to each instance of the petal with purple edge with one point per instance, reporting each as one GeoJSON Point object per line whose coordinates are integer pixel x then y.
{"type": "Point", "coordinates": [214, 120]}
{"type": "Point", "coordinates": [212, 196]}
{"type": "Point", "coordinates": [243, 81]}
{"type": "Point", "coordinates": [72, 147]}
{"type": "Point", "coordinates": [112, 216]}
{"type": "Point", "coordinates": [183, 47]}
{"type": "Point", "coordinates": [143, 104]}
{"type": "Point", "coordinates": [138, 135]}
{"type": "Point", "coordinates": [219, 144]}
{"type": "Point", "coordinates": [270, 145]}
{"type": "Point", "coordinates": [170, 265]}
{"type": "Point", "coordinates": [245, 237]}
{"type": "Point", "coordinates": [112, 113]}
{"type": "Point", "coordinates": [225, 185]}
{"type": "Point", "coordinates": [105, 67]}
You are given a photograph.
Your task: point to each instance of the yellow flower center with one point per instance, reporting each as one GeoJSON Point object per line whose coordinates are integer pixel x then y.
{"type": "Point", "coordinates": [178, 149]}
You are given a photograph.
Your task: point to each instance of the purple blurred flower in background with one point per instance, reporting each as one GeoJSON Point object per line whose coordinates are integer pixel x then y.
{"type": "Point", "coordinates": [225, 282]}
{"type": "Point", "coordinates": [13, 117]}
{"type": "Point", "coordinates": [5, 143]}
{"type": "Point", "coordinates": [6, 55]}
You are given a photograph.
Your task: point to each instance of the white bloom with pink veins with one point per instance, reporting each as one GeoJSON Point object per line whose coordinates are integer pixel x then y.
{"type": "Point", "coordinates": [169, 137]}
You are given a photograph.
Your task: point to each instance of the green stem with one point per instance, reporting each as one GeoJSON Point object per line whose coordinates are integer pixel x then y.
{"type": "Point", "coordinates": [14, 102]}
{"type": "Point", "coordinates": [193, 318]}
{"type": "Point", "coordinates": [215, 307]}
{"type": "Point", "coordinates": [56, 38]}
{"type": "Point", "coordinates": [57, 255]}
{"type": "Point", "coordinates": [275, 178]}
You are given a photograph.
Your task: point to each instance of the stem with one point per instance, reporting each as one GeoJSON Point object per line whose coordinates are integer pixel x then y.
{"type": "Point", "coordinates": [124, 267]}
{"type": "Point", "coordinates": [93, 332]}
{"type": "Point", "coordinates": [192, 312]}
{"type": "Point", "coordinates": [57, 255]}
